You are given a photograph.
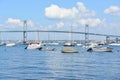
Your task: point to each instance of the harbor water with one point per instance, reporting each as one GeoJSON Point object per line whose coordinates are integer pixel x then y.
{"type": "Point", "coordinates": [17, 63]}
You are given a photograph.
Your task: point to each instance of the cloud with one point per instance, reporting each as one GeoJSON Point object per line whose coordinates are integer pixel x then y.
{"type": "Point", "coordinates": [30, 23]}
{"type": "Point", "coordinates": [14, 22]}
{"type": "Point", "coordinates": [113, 10]}
{"type": "Point", "coordinates": [91, 22]}
{"type": "Point", "coordinates": [56, 12]}
{"type": "Point", "coordinates": [77, 15]}
{"type": "Point", "coordinates": [60, 24]}
{"type": "Point", "coordinates": [17, 22]}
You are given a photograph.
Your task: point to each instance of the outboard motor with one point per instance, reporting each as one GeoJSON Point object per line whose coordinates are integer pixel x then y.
{"type": "Point", "coordinates": [90, 50]}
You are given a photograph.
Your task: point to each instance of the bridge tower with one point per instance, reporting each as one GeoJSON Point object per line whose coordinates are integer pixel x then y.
{"type": "Point", "coordinates": [107, 39]}
{"type": "Point", "coordinates": [86, 34]}
{"type": "Point", "coordinates": [117, 40]}
{"type": "Point", "coordinates": [24, 31]}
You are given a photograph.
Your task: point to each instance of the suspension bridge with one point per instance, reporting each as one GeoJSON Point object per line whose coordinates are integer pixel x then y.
{"type": "Point", "coordinates": [52, 31]}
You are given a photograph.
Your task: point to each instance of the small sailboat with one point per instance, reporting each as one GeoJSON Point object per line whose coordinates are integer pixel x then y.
{"type": "Point", "coordinates": [35, 45]}
{"type": "Point", "coordinates": [68, 48]}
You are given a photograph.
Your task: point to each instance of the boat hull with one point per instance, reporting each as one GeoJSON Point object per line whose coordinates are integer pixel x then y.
{"type": "Point", "coordinates": [69, 50]}
{"type": "Point", "coordinates": [33, 46]}
{"type": "Point", "coordinates": [99, 50]}
{"type": "Point", "coordinates": [10, 44]}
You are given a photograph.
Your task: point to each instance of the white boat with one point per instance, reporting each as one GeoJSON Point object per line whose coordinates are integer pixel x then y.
{"type": "Point", "coordinates": [90, 45]}
{"type": "Point", "coordinates": [52, 44]}
{"type": "Point", "coordinates": [79, 44]}
{"type": "Point", "coordinates": [48, 49]}
{"type": "Point", "coordinates": [69, 44]}
{"type": "Point", "coordinates": [34, 45]}
{"type": "Point", "coordinates": [114, 44]}
{"type": "Point", "coordinates": [69, 50]}
{"type": "Point", "coordinates": [10, 44]}
{"type": "Point", "coordinates": [55, 43]}
{"type": "Point", "coordinates": [1, 43]}
{"type": "Point", "coordinates": [100, 49]}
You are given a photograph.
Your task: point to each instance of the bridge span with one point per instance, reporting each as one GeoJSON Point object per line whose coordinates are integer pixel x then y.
{"type": "Point", "coordinates": [53, 31]}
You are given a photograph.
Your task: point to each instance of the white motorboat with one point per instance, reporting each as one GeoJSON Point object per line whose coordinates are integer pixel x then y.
{"type": "Point", "coordinates": [10, 44]}
{"type": "Point", "coordinates": [2, 43]}
{"type": "Point", "coordinates": [79, 44]}
{"type": "Point", "coordinates": [55, 43]}
{"type": "Point", "coordinates": [114, 44]}
{"type": "Point", "coordinates": [34, 45]}
{"type": "Point", "coordinates": [90, 45]}
{"type": "Point", "coordinates": [51, 44]}
{"type": "Point", "coordinates": [69, 44]}
{"type": "Point", "coordinates": [48, 49]}
{"type": "Point", "coordinates": [100, 49]}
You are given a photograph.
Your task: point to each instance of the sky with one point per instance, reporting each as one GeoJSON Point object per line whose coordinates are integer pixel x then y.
{"type": "Point", "coordinates": [102, 16]}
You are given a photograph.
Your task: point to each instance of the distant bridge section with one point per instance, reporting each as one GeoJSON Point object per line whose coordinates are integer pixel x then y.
{"type": "Point", "coordinates": [52, 31]}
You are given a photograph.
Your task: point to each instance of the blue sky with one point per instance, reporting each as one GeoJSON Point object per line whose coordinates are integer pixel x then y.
{"type": "Point", "coordinates": [102, 16]}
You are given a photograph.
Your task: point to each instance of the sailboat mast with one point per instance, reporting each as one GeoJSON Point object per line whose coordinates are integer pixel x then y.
{"type": "Point", "coordinates": [71, 39]}
{"type": "Point", "coordinates": [0, 38]}
{"type": "Point", "coordinates": [24, 32]}
{"type": "Point", "coordinates": [38, 37]}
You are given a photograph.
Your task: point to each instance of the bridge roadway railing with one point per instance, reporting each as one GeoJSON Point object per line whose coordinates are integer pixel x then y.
{"type": "Point", "coordinates": [52, 31]}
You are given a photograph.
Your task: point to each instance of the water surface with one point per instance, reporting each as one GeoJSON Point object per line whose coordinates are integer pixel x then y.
{"type": "Point", "coordinates": [16, 63]}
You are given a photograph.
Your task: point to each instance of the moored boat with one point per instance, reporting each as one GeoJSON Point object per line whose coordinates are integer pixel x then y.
{"type": "Point", "coordinates": [100, 49]}
{"type": "Point", "coordinates": [10, 44]}
{"type": "Point", "coordinates": [2, 43]}
{"type": "Point", "coordinates": [114, 44]}
{"type": "Point", "coordinates": [69, 44]}
{"type": "Point", "coordinates": [48, 49]}
{"type": "Point", "coordinates": [34, 45]}
{"type": "Point", "coordinates": [69, 50]}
